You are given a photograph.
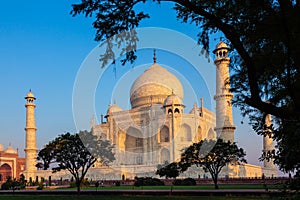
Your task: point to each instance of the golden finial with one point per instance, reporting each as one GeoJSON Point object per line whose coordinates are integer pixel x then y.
{"type": "Point", "coordinates": [154, 56]}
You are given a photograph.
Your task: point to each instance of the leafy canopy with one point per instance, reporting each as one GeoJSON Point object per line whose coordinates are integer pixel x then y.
{"type": "Point", "coordinates": [71, 154]}
{"type": "Point", "coordinates": [168, 170]}
{"type": "Point", "coordinates": [212, 156]}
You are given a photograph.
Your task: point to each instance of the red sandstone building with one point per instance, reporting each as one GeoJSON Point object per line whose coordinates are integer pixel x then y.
{"type": "Point", "coordinates": [10, 163]}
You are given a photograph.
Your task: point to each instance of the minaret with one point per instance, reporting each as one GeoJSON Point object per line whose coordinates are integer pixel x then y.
{"type": "Point", "coordinates": [268, 143]}
{"type": "Point", "coordinates": [30, 148]}
{"type": "Point", "coordinates": [224, 123]}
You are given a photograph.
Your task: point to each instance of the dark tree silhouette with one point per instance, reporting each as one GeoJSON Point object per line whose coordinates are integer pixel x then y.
{"type": "Point", "coordinates": [71, 154]}
{"type": "Point", "coordinates": [168, 170]}
{"type": "Point", "coordinates": [212, 156]}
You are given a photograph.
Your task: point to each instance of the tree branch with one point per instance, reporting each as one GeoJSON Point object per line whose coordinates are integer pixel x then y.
{"type": "Point", "coordinates": [255, 99]}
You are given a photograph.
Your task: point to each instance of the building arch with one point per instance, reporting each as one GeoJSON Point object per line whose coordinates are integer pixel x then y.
{"type": "Point", "coordinates": [199, 134]}
{"type": "Point", "coordinates": [185, 133]}
{"type": "Point", "coordinates": [5, 171]}
{"type": "Point", "coordinates": [164, 156]}
{"type": "Point", "coordinates": [121, 139]}
{"type": "Point", "coordinates": [164, 134]}
{"type": "Point", "coordinates": [211, 135]}
{"type": "Point", "coordinates": [134, 140]}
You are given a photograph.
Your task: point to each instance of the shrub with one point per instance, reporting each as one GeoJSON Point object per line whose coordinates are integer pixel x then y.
{"type": "Point", "coordinates": [185, 182]}
{"type": "Point", "coordinates": [72, 184]}
{"type": "Point", "coordinates": [85, 183]}
{"type": "Point", "coordinates": [40, 186]}
{"type": "Point", "coordinates": [5, 186]}
{"type": "Point", "coordinates": [147, 181]}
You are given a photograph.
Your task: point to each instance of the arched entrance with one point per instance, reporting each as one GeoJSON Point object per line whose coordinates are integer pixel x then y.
{"type": "Point", "coordinates": [134, 146]}
{"type": "Point", "coordinates": [164, 134]}
{"type": "Point", "coordinates": [185, 133]}
{"type": "Point", "coordinates": [134, 140]}
{"type": "Point", "coordinates": [5, 171]}
{"type": "Point", "coordinates": [199, 134]}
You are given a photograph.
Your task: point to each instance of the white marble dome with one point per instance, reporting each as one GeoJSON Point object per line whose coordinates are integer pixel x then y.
{"type": "Point", "coordinates": [113, 108]}
{"type": "Point", "coordinates": [173, 99]}
{"type": "Point", "coordinates": [154, 86]}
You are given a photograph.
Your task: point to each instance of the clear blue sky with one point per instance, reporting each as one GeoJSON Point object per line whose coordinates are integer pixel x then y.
{"type": "Point", "coordinates": [42, 48]}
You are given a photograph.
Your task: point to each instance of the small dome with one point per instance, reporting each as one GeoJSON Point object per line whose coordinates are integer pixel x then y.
{"type": "Point", "coordinates": [153, 86]}
{"type": "Point", "coordinates": [30, 94]}
{"type": "Point", "coordinates": [221, 45]}
{"type": "Point", "coordinates": [1, 147]}
{"type": "Point", "coordinates": [113, 108]}
{"type": "Point", "coordinates": [10, 149]}
{"type": "Point", "coordinates": [173, 99]}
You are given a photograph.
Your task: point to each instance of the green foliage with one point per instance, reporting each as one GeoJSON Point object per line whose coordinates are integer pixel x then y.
{"type": "Point", "coordinates": [212, 156]}
{"type": "Point", "coordinates": [5, 186]}
{"type": "Point", "coordinates": [72, 184]}
{"type": "Point", "coordinates": [13, 184]}
{"type": "Point", "coordinates": [46, 156]}
{"type": "Point", "coordinates": [22, 181]}
{"type": "Point", "coordinates": [40, 186]}
{"type": "Point", "coordinates": [185, 182]}
{"type": "Point", "coordinates": [77, 153]}
{"type": "Point", "coordinates": [169, 171]}
{"type": "Point", "coordinates": [264, 37]}
{"type": "Point", "coordinates": [147, 181]}
{"type": "Point", "coordinates": [85, 183]}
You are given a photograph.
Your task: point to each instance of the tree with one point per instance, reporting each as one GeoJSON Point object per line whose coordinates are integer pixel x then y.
{"type": "Point", "coordinates": [265, 58]}
{"type": "Point", "coordinates": [46, 155]}
{"type": "Point", "coordinates": [71, 154]}
{"type": "Point", "coordinates": [212, 156]}
{"type": "Point", "coordinates": [13, 183]}
{"type": "Point", "coordinates": [168, 170]}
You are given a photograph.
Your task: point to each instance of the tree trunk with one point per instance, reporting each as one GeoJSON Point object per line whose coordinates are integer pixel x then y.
{"type": "Point", "coordinates": [78, 186]}
{"type": "Point", "coordinates": [215, 179]}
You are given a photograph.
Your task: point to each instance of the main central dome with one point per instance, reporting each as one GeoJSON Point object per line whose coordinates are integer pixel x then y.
{"type": "Point", "coordinates": [154, 86]}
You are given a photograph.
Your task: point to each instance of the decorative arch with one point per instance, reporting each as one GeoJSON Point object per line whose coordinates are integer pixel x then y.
{"type": "Point", "coordinates": [176, 110]}
{"type": "Point", "coordinates": [199, 134]}
{"type": "Point", "coordinates": [211, 135]}
{"type": "Point", "coordinates": [170, 111]}
{"type": "Point", "coordinates": [185, 133]}
{"type": "Point", "coordinates": [164, 134]}
{"type": "Point", "coordinates": [164, 155]}
{"type": "Point", "coordinates": [121, 139]}
{"type": "Point", "coordinates": [134, 140]}
{"type": "Point", "coordinates": [5, 171]}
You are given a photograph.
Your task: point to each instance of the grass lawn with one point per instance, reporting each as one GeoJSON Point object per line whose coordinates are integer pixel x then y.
{"type": "Point", "coordinates": [97, 197]}
{"type": "Point", "coordinates": [198, 187]}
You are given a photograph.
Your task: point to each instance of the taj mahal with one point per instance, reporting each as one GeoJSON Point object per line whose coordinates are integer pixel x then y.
{"type": "Point", "coordinates": [156, 129]}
